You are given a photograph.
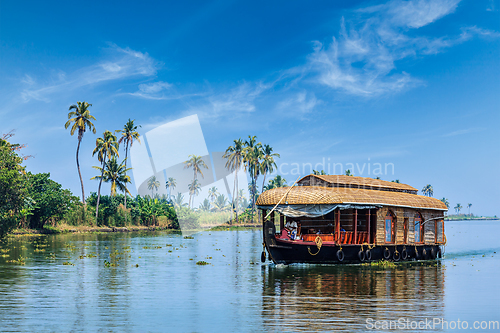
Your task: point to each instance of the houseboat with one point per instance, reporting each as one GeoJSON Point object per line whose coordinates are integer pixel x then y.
{"type": "Point", "coordinates": [333, 219]}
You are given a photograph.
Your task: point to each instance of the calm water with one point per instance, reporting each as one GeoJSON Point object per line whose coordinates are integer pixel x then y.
{"type": "Point", "coordinates": [157, 287]}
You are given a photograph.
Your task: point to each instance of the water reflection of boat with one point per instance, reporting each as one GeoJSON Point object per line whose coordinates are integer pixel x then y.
{"type": "Point", "coordinates": [344, 298]}
{"type": "Point", "coordinates": [345, 219]}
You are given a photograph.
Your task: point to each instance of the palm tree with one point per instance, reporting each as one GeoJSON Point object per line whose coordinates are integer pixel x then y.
{"type": "Point", "coordinates": [252, 156]}
{"type": "Point", "coordinates": [234, 155]}
{"type": "Point", "coordinates": [468, 206]}
{"type": "Point", "coordinates": [194, 190]}
{"type": "Point", "coordinates": [129, 134]}
{"type": "Point", "coordinates": [116, 174]}
{"type": "Point", "coordinates": [348, 172]}
{"type": "Point", "coordinates": [153, 183]}
{"type": "Point", "coordinates": [220, 203]}
{"type": "Point", "coordinates": [446, 202]}
{"type": "Point", "coordinates": [322, 172]}
{"type": "Point", "coordinates": [170, 184]}
{"type": "Point", "coordinates": [105, 147]}
{"type": "Point", "coordinates": [81, 119]}
{"type": "Point", "coordinates": [212, 193]}
{"type": "Point", "coordinates": [428, 190]}
{"type": "Point", "coordinates": [179, 200]}
{"type": "Point", "coordinates": [458, 207]}
{"type": "Point", "coordinates": [278, 181]}
{"type": "Point", "coordinates": [205, 205]}
{"type": "Point", "coordinates": [268, 164]}
{"type": "Point", "coordinates": [195, 162]}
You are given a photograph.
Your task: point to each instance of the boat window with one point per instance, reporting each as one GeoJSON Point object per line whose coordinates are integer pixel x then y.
{"type": "Point", "coordinates": [439, 231]}
{"type": "Point", "coordinates": [389, 227]}
{"type": "Point", "coordinates": [347, 220]}
{"type": "Point", "coordinates": [418, 228]}
{"type": "Point", "coordinates": [405, 231]}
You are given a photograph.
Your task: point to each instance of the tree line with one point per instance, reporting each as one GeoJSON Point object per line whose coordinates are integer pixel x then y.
{"type": "Point", "coordinates": [35, 201]}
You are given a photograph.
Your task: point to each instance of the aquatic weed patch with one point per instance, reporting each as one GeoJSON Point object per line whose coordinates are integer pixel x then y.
{"type": "Point", "coordinates": [19, 261]}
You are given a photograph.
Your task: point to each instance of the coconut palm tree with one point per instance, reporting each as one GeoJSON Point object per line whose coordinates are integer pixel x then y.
{"type": "Point", "coordinates": [428, 190]}
{"type": "Point", "coordinates": [234, 155]}
{"type": "Point", "coordinates": [205, 205]}
{"type": "Point", "coordinates": [348, 172]}
{"type": "Point", "coordinates": [105, 148]}
{"type": "Point", "coordinates": [129, 134]}
{"type": "Point", "coordinates": [446, 202]}
{"type": "Point", "coordinates": [212, 193]}
{"type": "Point", "coordinates": [322, 172]}
{"type": "Point", "coordinates": [116, 174]}
{"type": "Point", "coordinates": [170, 184]}
{"type": "Point", "coordinates": [153, 184]}
{"type": "Point", "coordinates": [458, 207]}
{"type": "Point", "coordinates": [220, 203]}
{"type": "Point", "coordinates": [268, 164]}
{"type": "Point", "coordinates": [81, 119]}
{"type": "Point", "coordinates": [179, 200]}
{"type": "Point", "coordinates": [468, 206]}
{"type": "Point", "coordinates": [194, 190]}
{"type": "Point", "coordinates": [252, 157]}
{"type": "Point", "coordinates": [278, 181]}
{"type": "Point", "coordinates": [196, 163]}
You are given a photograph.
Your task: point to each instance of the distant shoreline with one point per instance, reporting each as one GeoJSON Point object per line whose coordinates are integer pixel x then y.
{"type": "Point", "coordinates": [65, 229]}
{"type": "Point", "coordinates": [463, 218]}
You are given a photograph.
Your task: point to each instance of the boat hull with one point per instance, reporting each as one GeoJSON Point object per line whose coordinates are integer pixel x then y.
{"type": "Point", "coordinates": [288, 252]}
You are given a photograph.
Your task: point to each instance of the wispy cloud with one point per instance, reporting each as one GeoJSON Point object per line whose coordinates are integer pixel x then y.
{"type": "Point", "coordinates": [463, 131]}
{"type": "Point", "coordinates": [362, 59]}
{"type": "Point", "coordinates": [123, 63]}
{"type": "Point", "coordinates": [240, 99]}
{"type": "Point", "coordinates": [298, 104]}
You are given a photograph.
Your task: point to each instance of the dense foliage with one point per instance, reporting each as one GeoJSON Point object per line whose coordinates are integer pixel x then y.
{"type": "Point", "coordinates": [140, 211]}
{"type": "Point", "coordinates": [48, 199]}
{"type": "Point", "coordinates": [12, 187]}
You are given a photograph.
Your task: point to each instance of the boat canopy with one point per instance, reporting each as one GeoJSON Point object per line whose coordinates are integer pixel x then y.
{"type": "Point", "coordinates": [355, 182]}
{"type": "Point", "coordinates": [312, 201]}
{"type": "Point", "coordinates": [313, 210]}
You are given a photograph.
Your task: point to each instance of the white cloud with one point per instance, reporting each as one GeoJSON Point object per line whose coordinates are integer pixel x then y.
{"type": "Point", "coordinates": [362, 59]}
{"type": "Point", "coordinates": [239, 99]}
{"type": "Point", "coordinates": [123, 63]}
{"type": "Point", "coordinates": [463, 131]}
{"type": "Point", "coordinates": [298, 104]}
{"type": "Point", "coordinates": [155, 87]}
{"type": "Point", "coordinates": [419, 13]}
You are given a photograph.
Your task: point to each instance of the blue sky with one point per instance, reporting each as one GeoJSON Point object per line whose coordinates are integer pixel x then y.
{"type": "Point", "coordinates": [415, 84]}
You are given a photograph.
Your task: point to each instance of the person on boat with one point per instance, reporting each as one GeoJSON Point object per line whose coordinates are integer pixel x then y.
{"type": "Point", "coordinates": [292, 229]}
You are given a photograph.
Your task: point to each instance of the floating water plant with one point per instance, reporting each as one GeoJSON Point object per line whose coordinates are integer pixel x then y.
{"type": "Point", "coordinates": [202, 263]}
{"type": "Point", "coordinates": [67, 263]}
{"type": "Point", "coordinates": [20, 261]}
{"type": "Point", "coordinates": [188, 237]}
{"type": "Point", "coordinates": [109, 264]}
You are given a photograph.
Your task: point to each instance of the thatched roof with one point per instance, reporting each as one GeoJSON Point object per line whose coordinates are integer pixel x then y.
{"type": "Point", "coordinates": [315, 195]}
{"type": "Point", "coordinates": [355, 182]}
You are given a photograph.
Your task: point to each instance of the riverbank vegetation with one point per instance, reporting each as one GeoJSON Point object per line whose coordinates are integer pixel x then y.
{"type": "Point", "coordinates": [36, 202]}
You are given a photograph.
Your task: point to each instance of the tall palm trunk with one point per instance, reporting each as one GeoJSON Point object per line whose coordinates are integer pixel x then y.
{"type": "Point", "coordinates": [80, 135]}
{"type": "Point", "coordinates": [126, 153]}
{"type": "Point", "coordinates": [99, 190]}
{"type": "Point", "coordinates": [235, 188]}
{"type": "Point", "coordinates": [263, 182]}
